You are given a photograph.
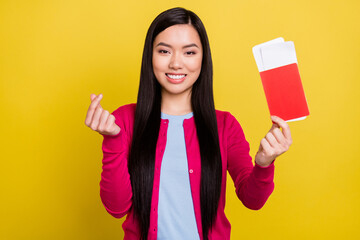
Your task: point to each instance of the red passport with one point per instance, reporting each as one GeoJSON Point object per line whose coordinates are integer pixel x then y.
{"type": "Point", "coordinates": [281, 80]}
{"type": "Point", "coordinates": [284, 92]}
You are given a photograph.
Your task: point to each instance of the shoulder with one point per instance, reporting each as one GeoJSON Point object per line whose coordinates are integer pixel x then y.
{"type": "Point", "coordinates": [227, 123]}
{"type": "Point", "coordinates": [230, 128]}
{"type": "Point", "coordinates": [224, 117]}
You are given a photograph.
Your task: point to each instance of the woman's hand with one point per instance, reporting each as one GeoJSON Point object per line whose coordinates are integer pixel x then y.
{"type": "Point", "coordinates": [275, 143]}
{"type": "Point", "coordinates": [100, 120]}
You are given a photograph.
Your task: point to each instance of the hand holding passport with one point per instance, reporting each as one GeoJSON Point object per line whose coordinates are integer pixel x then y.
{"type": "Point", "coordinates": [278, 68]}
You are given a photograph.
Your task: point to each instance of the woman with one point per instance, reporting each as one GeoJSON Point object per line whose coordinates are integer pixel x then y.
{"type": "Point", "coordinates": [165, 158]}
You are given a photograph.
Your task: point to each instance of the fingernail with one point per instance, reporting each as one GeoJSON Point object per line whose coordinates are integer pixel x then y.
{"type": "Point", "coordinates": [100, 95]}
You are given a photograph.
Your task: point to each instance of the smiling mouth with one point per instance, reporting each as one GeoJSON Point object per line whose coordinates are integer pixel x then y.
{"type": "Point", "coordinates": [175, 76]}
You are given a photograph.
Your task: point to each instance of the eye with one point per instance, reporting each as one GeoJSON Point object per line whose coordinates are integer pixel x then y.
{"type": "Point", "coordinates": [163, 51]}
{"type": "Point", "coordinates": [190, 53]}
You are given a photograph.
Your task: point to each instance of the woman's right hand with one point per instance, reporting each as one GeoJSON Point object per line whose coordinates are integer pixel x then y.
{"type": "Point", "coordinates": [100, 120]}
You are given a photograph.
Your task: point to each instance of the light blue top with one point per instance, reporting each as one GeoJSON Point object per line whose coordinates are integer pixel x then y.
{"type": "Point", "coordinates": [176, 216]}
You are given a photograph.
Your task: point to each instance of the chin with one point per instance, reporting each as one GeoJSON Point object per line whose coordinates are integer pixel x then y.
{"type": "Point", "coordinates": [175, 91]}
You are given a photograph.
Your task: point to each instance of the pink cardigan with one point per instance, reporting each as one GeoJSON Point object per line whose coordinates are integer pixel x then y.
{"type": "Point", "coordinates": [253, 183]}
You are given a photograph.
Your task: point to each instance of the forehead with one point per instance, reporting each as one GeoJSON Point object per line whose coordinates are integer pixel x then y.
{"type": "Point", "coordinates": [179, 35]}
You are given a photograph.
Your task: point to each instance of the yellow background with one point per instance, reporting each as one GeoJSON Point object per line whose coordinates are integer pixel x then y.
{"type": "Point", "coordinates": [54, 54]}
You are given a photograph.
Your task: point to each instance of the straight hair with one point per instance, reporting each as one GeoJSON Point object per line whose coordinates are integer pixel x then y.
{"type": "Point", "coordinates": [141, 161]}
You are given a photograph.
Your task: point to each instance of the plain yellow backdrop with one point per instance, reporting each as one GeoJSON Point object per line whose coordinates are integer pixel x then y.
{"type": "Point", "coordinates": [54, 54]}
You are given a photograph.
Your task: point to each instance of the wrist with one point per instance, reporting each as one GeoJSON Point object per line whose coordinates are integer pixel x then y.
{"type": "Point", "coordinates": [264, 165]}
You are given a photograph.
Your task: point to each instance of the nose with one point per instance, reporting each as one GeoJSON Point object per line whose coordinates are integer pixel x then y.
{"type": "Point", "coordinates": [175, 61]}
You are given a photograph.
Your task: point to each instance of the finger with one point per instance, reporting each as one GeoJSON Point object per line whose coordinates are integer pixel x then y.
{"type": "Point", "coordinates": [96, 98]}
{"type": "Point", "coordinates": [93, 97]}
{"type": "Point", "coordinates": [110, 121]}
{"type": "Point", "coordinates": [92, 108]}
{"type": "Point", "coordinates": [115, 128]}
{"type": "Point", "coordinates": [271, 140]}
{"type": "Point", "coordinates": [88, 113]}
{"type": "Point", "coordinates": [285, 127]}
{"type": "Point", "coordinates": [95, 101]}
{"type": "Point", "coordinates": [267, 149]}
{"type": "Point", "coordinates": [274, 126]}
{"type": "Point", "coordinates": [102, 122]}
{"type": "Point", "coordinates": [100, 98]}
{"type": "Point", "coordinates": [279, 136]}
{"type": "Point", "coordinates": [96, 118]}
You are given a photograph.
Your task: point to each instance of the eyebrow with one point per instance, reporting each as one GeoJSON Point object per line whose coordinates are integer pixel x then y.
{"type": "Point", "coordinates": [186, 46]}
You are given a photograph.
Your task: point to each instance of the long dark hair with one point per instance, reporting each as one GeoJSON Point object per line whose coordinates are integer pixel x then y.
{"type": "Point", "coordinates": [147, 124]}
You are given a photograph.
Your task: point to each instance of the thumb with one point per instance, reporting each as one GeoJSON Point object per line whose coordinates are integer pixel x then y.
{"type": "Point", "coordinates": [92, 96]}
{"type": "Point", "coordinates": [275, 125]}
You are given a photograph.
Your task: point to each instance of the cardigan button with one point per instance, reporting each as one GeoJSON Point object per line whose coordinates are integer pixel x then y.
{"type": "Point", "coordinates": [191, 171]}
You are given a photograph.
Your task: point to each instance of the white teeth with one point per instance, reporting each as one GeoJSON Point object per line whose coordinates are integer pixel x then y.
{"type": "Point", "coordinates": [175, 76]}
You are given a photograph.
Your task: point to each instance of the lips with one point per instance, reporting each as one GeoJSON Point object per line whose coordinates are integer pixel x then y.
{"type": "Point", "coordinates": [175, 78]}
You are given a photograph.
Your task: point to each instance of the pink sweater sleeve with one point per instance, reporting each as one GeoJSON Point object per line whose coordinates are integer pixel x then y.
{"type": "Point", "coordinates": [115, 185]}
{"type": "Point", "coordinates": [254, 184]}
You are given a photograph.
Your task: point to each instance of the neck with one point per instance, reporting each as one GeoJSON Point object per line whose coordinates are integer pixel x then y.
{"type": "Point", "coordinates": [179, 104]}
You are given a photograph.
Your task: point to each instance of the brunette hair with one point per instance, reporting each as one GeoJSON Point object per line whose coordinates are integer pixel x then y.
{"type": "Point", "coordinates": [147, 124]}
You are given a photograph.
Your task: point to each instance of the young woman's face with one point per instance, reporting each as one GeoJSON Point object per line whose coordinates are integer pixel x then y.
{"type": "Point", "coordinates": [177, 57]}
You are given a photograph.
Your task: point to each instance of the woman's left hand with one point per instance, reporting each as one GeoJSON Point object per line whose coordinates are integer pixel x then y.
{"type": "Point", "coordinates": [275, 143]}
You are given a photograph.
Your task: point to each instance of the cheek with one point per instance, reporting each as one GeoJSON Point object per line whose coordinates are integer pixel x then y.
{"type": "Point", "coordinates": [159, 66]}
{"type": "Point", "coordinates": [195, 65]}
{"type": "Point", "coordinates": [159, 63]}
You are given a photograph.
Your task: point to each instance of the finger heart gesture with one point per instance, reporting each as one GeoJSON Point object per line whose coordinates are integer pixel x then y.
{"type": "Point", "coordinates": [100, 120]}
{"type": "Point", "coordinates": [275, 143]}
